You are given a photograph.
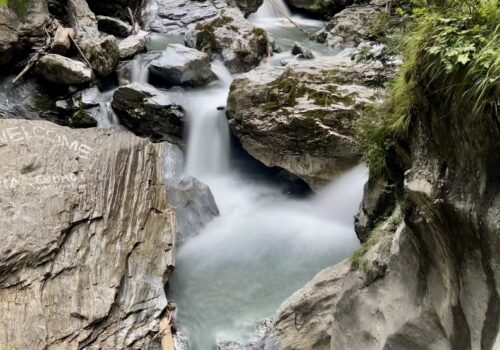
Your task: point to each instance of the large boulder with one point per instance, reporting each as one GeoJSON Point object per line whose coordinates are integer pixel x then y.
{"type": "Point", "coordinates": [88, 238]}
{"type": "Point", "coordinates": [148, 112]}
{"type": "Point", "coordinates": [62, 70]}
{"type": "Point", "coordinates": [323, 8]}
{"type": "Point", "coordinates": [22, 30]}
{"type": "Point", "coordinates": [180, 65]}
{"type": "Point", "coordinates": [133, 44]}
{"type": "Point", "coordinates": [232, 38]}
{"type": "Point", "coordinates": [103, 54]}
{"type": "Point", "coordinates": [302, 118]}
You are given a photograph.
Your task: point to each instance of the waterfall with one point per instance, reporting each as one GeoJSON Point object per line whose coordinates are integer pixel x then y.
{"type": "Point", "coordinates": [208, 139]}
{"type": "Point", "coordinates": [106, 118]}
{"type": "Point", "coordinates": [273, 9]}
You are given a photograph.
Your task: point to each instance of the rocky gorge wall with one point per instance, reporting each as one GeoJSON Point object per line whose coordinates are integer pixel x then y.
{"type": "Point", "coordinates": [428, 276]}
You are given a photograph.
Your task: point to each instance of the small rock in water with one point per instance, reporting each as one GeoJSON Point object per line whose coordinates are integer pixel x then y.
{"type": "Point", "coordinates": [133, 44]}
{"type": "Point", "coordinates": [302, 51]}
{"type": "Point", "coordinates": [180, 65]}
{"type": "Point", "coordinates": [221, 108]}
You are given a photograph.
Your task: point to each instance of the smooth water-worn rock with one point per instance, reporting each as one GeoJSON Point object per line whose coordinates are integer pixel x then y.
{"type": "Point", "coordinates": [133, 44]}
{"type": "Point", "coordinates": [88, 238]}
{"type": "Point", "coordinates": [302, 117]}
{"type": "Point", "coordinates": [180, 65]}
{"type": "Point", "coordinates": [191, 199]}
{"type": "Point", "coordinates": [62, 70]}
{"type": "Point", "coordinates": [22, 32]}
{"type": "Point", "coordinates": [321, 8]}
{"type": "Point", "coordinates": [148, 112]}
{"type": "Point", "coordinates": [114, 26]}
{"type": "Point", "coordinates": [230, 37]}
{"type": "Point", "coordinates": [103, 54]}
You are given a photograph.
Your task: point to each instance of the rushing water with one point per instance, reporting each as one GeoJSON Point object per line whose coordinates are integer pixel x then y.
{"type": "Point", "coordinates": [264, 245]}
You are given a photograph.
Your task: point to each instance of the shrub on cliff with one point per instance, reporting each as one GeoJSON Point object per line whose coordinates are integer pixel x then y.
{"type": "Point", "coordinates": [451, 55]}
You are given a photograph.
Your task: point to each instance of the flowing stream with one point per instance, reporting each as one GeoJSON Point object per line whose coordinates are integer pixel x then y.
{"type": "Point", "coordinates": [264, 245]}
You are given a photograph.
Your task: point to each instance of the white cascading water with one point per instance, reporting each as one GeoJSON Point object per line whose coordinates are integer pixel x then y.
{"type": "Point", "coordinates": [263, 246]}
{"type": "Point", "coordinates": [273, 9]}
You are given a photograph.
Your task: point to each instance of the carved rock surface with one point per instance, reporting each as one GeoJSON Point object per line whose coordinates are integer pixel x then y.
{"type": "Point", "coordinates": [88, 238]}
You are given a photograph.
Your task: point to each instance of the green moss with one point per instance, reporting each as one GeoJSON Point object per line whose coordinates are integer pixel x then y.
{"type": "Point", "coordinates": [259, 32]}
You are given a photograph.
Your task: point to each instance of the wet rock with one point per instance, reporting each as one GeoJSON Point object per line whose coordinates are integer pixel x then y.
{"type": "Point", "coordinates": [149, 113]}
{"type": "Point", "coordinates": [82, 19]}
{"type": "Point", "coordinates": [322, 8]}
{"type": "Point", "coordinates": [61, 70]}
{"type": "Point", "coordinates": [302, 51]}
{"type": "Point", "coordinates": [175, 15]}
{"type": "Point", "coordinates": [133, 44]}
{"type": "Point", "coordinates": [180, 65]}
{"type": "Point", "coordinates": [22, 32]}
{"type": "Point", "coordinates": [191, 199]}
{"type": "Point", "coordinates": [248, 6]}
{"type": "Point", "coordinates": [114, 26]}
{"type": "Point", "coordinates": [302, 117]}
{"type": "Point", "coordinates": [103, 54]}
{"type": "Point", "coordinates": [232, 38]}
{"type": "Point", "coordinates": [69, 190]}
{"type": "Point", "coordinates": [261, 338]}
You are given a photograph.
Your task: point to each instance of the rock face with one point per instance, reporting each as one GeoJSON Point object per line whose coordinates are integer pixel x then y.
{"type": "Point", "coordinates": [133, 44]}
{"type": "Point", "coordinates": [302, 118]}
{"type": "Point", "coordinates": [248, 6]}
{"type": "Point", "coordinates": [22, 32]}
{"type": "Point", "coordinates": [319, 7]}
{"type": "Point", "coordinates": [428, 276]}
{"type": "Point", "coordinates": [103, 54]}
{"type": "Point", "coordinates": [114, 26]}
{"type": "Point", "coordinates": [180, 65]}
{"type": "Point", "coordinates": [230, 37]}
{"type": "Point", "coordinates": [61, 70]}
{"type": "Point", "coordinates": [88, 238]}
{"type": "Point", "coordinates": [147, 112]}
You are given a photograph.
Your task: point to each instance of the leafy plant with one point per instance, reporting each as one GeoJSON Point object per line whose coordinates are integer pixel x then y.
{"type": "Point", "coordinates": [451, 55]}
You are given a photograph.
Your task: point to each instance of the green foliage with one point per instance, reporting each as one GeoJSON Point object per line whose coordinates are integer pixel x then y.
{"type": "Point", "coordinates": [20, 7]}
{"type": "Point", "coordinates": [452, 57]}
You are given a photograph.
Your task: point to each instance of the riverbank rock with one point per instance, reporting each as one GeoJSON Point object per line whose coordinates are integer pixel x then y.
{"type": "Point", "coordinates": [149, 113]}
{"type": "Point", "coordinates": [61, 70]}
{"type": "Point", "coordinates": [180, 65]}
{"type": "Point", "coordinates": [239, 44]}
{"type": "Point", "coordinates": [248, 7]}
{"type": "Point", "coordinates": [21, 32]}
{"type": "Point", "coordinates": [103, 54]}
{"type": "Point", "coordinates": [133, 44]}
{"type": "Point", "coordinates": [88, 238]}
{"type": "Point", "coordinates": [351, 26]}
{"type": "Point", "coordinates": [302, 117]}
{"type": "Point", "coordinates": [114, 26]}
{"type": "Point", "coordinates": [82, 19]}
{"type": "Point", "coordinates": [323, 8]}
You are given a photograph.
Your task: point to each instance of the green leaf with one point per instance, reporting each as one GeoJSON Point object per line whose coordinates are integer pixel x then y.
{"type": "Point", "coordinates": [463, 58]}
